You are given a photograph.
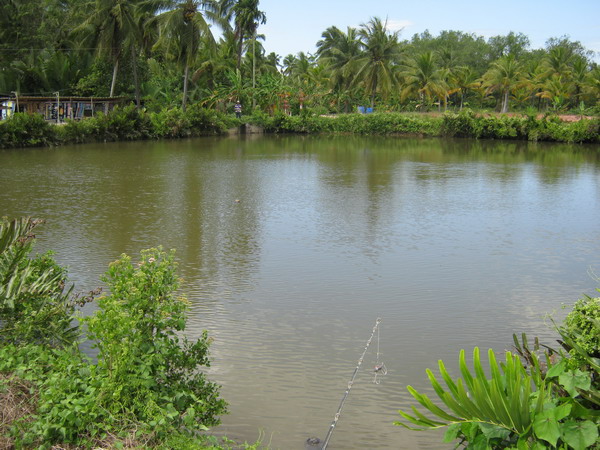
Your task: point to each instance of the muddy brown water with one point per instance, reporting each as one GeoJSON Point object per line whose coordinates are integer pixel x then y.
{"type": "Point", "coordinates": [291, 247]}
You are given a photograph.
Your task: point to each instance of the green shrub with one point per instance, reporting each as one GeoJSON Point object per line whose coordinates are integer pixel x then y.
{"type": "Point", "coordinates": [130, 123]}
{"type": "Point", "coordinates": [375, 123]}
{"type": "Point", "coordinates": [195, 121]}
{"type": "Point", "coordinates": [530, 404]}
{"type": "Point", "coordinates": [459, 125]}
{"type": "Point", "coordinates": [122, 124]}
{"type": "Point", "coordinates": [78, 131]}
{"type": "Point", "coordinates": [583, 324]}
{"type": "Point", "coordinates": [170, 123]}
{"type": "Point", "coordinates": [208, 121]}
{"type": "Point", "coordinates": [149, 368]}
{"type": "Point", "coordinates": [35, 307]}
{"type": "Point", "coordinates": [146, 381]}
{"type": "Point", "coordinates": [26, 130]}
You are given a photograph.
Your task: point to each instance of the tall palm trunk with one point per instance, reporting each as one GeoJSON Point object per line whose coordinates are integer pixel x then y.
{"type": "Point", "coordinates": [373, 92]}
{"type": "Point", "coordinates": [185, 86]}
{"type": "Point", "coordinates": [505, 102]}
{"type": "Point", "coordinates": [114, 77]}
{"type": "Point", "coordinates": [253, 72]}
{"type": "Point", "coordinates": [239, 51]}
{"type": "Point", "coordinates": [135, 76]}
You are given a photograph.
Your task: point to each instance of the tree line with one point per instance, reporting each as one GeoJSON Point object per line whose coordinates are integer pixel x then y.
{"type": "Point", "coordinates": [165, 53]}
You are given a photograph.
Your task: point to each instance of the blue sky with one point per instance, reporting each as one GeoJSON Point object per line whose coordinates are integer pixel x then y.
{"type": "Point", "coordinates": [294, 26]}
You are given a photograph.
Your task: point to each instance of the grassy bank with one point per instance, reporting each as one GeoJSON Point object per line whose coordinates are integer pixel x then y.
{"type": "Point", "coordinates": [464, 124]}
{"type": "Point", "coordinates": [129, 123]}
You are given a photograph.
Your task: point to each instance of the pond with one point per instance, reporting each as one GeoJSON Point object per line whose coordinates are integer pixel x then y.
{"type": "Point", "coordinates": [291, 247]}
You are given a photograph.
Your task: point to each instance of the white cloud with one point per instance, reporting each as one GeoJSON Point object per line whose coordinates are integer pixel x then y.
{"type": "Point", "coordinates": [397, 25]}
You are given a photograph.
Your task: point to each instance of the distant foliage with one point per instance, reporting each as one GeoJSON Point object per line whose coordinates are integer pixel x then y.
{"type": "Point", "coordinates": [121, 124]}
{"type": "Point", "coordinates": [26, 130]}
{"type": "Point", "coordinates": [522, 127]}
{"type": "Point", "coordinates": [129, 123]}
{"type": "Point", "coordinates": [464, 124]}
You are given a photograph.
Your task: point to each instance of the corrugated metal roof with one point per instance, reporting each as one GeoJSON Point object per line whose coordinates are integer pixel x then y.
{"type": "Point", "coordinates": [63, 98]}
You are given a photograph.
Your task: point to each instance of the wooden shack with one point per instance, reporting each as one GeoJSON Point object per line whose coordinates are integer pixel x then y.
{"type": "Point", "coordinates": [57, 108]}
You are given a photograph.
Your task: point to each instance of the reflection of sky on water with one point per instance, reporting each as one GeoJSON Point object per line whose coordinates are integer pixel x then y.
{"type": "Point", "coordinates": [453, 243]}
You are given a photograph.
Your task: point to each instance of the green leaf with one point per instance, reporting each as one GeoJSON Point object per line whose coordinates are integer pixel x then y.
{"type": "Point", "coordinates": [452, 432]}
{"type": "Point", "coordinates": [562, 411]}
{"type": "Point", "coordinates": [522, 444]}
{"type": "Point", "coordinates": [479, 443]}
{"type": "Point", "coordinates": [579, 435]}
{"type": "Point", "coordinates": [574, 379]}
{"type": "Point", "coordinates": [557, 369]}
{"type": "Point", "coordinates": [538, 445]}
{"type": "Point", "coordinates": [494, 431]}
{"type": "Point", "coordinates": [546, 427]}
{"type": "Point", "coordinates": [470, 430]}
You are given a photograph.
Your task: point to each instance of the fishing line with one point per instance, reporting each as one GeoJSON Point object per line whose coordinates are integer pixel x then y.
{"type": "Point", "coordinates": [379, 370]}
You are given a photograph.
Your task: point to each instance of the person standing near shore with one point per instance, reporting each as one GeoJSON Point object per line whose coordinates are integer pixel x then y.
{"type": "Point", "coordinates": [238, 110]}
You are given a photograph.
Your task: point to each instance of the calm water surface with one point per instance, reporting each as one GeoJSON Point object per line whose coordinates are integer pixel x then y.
{"type": "Point", "coordinates": [452, 243]}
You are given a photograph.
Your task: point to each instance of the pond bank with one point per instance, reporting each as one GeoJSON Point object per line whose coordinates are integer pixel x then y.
{"type": "Point", "coordinates": [129, 124]}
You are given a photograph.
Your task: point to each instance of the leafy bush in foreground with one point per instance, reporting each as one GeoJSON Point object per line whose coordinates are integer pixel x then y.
{"type": "Point", "coordinates": [583, 325]}
{"type": "Point", "coordinates": [146, 387]}
{"type": "Point", "coordinates": [35, 306]}
{"type": "Point", "coordinates": [530, 404]}
{"type": "Point", "coordinates": [149, 368]}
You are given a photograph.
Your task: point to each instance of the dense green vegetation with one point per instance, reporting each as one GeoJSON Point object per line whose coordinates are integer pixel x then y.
{"type": "Point", "coordinates": [144, 390]}
{"type": "Point", "coordinates": [129, 123]}
{"type": "Point", "coordinates": [163, 53]}
{"type": "Point", "coordinates": [534, 400]}
{"type": "Point", "coordinates": [121, 124]}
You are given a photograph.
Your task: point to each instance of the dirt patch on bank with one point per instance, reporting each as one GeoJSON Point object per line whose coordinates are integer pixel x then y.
{"type": "Point", "coordinates": [17, 400]}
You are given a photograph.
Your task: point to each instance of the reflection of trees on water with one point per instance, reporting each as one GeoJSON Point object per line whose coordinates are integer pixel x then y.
{"type": "Point", "coordinates": [102, 200]}
{"type": "Point", "coordinates": [214, 218]}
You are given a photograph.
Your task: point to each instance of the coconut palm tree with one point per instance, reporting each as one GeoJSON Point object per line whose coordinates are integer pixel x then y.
{"type": "Point", "coordinates": [300, 67]}
{"type": "Point", "coordinates": [339, 52]}
{"type": "Point", "coordinates": [246, 18]}
{"type": "Point", "coordinates": [181, 30]}
{"type": "Point", "coordinates": [462, 80]}
{"type": "Point", "coordinates": [579, 72]}
{"type": "Point", "coordinates": [381, 52]}
{"type": "Point", "coordinates": [504, 75]}
{"type": "Point", "coordinates": [109, 24]}
{"type": "Point", "coordinates": [424, 79]}
{"type": "Point", "coordinates": [592, 85]}
{"type": "Point", "coordinates": [558, 61]}
{"type": "Point", "coordinates": [216, 60]}
{"type": "Point", "coordinates": [557, 90]}
{"type": "Point", "coordinates": [288, 63]}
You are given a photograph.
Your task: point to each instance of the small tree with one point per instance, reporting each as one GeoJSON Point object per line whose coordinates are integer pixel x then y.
{"type": "Point", "coordinates": [151, 369]}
